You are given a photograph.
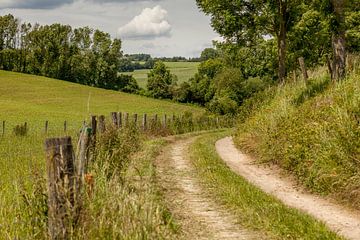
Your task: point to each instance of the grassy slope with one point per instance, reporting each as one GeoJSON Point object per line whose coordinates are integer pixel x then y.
{"type": "Point", "coordinates": [313, 132]}
{"type": "Point", "coordinates": [37, 99]}
{"type": "Point", "coordinates": [183, 70]}
{"type": "Point", "coordinates": [253, 208]}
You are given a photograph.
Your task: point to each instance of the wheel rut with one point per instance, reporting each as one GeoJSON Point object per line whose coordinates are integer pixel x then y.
{"type": "Point", "coordinates": [270, 180]}
{"type": "Point", "coordinates": [200, 216]}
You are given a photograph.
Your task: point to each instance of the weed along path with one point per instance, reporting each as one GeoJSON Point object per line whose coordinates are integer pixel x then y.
{"type": "Point", "coordinates": [339, 219]}
{"type": "Point", "coordinates": [200, 217]}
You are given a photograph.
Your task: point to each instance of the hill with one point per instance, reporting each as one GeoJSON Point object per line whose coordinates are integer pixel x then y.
{"type": "Point", "coordinates": [36, 99]}
{"type": "Point", "coordinates": [183, 70]}
{"type": "Point", "coordinates": [311, 131]}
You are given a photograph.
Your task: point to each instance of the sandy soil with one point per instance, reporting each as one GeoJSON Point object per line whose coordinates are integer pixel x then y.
{"type": "Point", "coordinates": [269, 179]}
{"type": "Point", "coordinates": [199, 216]}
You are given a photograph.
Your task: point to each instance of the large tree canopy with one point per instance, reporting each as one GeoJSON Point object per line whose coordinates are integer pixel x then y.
{"type": "Point", "coordinates": [244, 21]}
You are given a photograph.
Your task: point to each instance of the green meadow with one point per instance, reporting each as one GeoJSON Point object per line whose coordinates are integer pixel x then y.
{"type": "Point", "coordinates": [183, 70]}
{"type": "Point", "coordinates": [35, 99]}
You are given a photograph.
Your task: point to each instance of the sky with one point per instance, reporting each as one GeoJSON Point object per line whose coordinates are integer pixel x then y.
{"type": "Point", "coordinates": [162, 28]}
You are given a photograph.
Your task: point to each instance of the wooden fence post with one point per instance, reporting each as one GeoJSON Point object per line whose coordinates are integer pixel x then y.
{"type": "Point", "coordinates": [82, 155]}
{"type": "Point", "coordinates": [3, 128]}
{"type": "Point", "coordinates": [120, 120]}
{"type": "Point", "coordinates": [25, 127]}
{"type": "Point", "coordinates": [93, 128]}
{"type": "Point", "coordinates": [165, 121]}
{"type": "Point", "coordinates": [102, 125]}
{"type": "Point", "coordinates": [135, 119]}
{"type": "Point", "coordinates": [61, 187]}
{"type": "Point", "coordinates": [65, 126]}
{"type": "Point", "coordinates": [126, 120]}
{"type": "Point", "coordinates": [114, 118]}
{"type": "Point", "coordinates": [46, 126]}
{"type": "Point", "coordinates": [144, 122]}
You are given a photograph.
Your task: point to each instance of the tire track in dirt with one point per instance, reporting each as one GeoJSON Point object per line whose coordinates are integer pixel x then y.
{"type": "Point", "coordinates": [199, 215]}
{"type": "Point", "coordinates": [268, 179]}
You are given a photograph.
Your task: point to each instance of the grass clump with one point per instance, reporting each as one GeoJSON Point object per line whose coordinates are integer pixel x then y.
{"type": "Point", "coordinates": [253, 208]}
{"type": "Point", "coordinates": [127, 205]}
{"type": "Point", "coordinates": [312, 131]}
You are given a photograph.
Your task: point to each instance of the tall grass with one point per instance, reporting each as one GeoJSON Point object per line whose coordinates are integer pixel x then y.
{"type": "Point", "coordinates": [312, 131]}
{"type": "Point", "coordinates": [121, 202]}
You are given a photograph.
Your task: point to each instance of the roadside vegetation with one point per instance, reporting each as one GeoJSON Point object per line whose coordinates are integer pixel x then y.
{"type": "Point", "coordinates": [121, 200]}
{"type": "Point", "coordinates": [310, 130]}
{"type": "Point", "coordinates": [253, 208]}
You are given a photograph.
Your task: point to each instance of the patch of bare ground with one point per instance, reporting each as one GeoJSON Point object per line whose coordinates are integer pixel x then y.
{"type": "Point", "coordinates": [338, 218]}
{"type": "Point", "coordinates": [199, 216]}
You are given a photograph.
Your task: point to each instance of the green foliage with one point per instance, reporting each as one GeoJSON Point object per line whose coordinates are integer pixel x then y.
{"type": "Point", "coordinates": [81, 55]}
{"type": "Point", "coordinates": [311, 131]}
{"type": "Point", "coordinates": [161, 82]}
{"type": "Point", "coordinates": [126, 83]}
{"type": "Point", "coordinates": [258, 60]}
{"type": "Point", "coordinates": [223, 105]}
{"type": "Point", "coordinates": [209, 53]}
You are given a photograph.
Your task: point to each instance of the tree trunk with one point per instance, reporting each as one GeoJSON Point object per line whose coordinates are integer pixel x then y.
{"type": "Point", "coordinates": [338, 41]}
{"type": "Point", "coordinates": [282, 41]}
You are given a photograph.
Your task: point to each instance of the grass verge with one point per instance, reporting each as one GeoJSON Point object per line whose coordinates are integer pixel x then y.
{"type": "Point", "coordinates": [253, 208]}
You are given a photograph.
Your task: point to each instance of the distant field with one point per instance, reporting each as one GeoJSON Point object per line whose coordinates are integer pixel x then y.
{"type": "Point", "coordinates": [183, 70]}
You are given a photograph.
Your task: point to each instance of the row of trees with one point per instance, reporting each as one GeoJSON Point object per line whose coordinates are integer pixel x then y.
{"type": "Point", "coordinates": [318, 30]}
{"type": "Point", "coordinates": [80, 55]}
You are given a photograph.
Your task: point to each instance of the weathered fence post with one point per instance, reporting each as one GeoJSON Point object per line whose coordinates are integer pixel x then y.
{"type": "Point", "coordinates": [144, 122]}
{"type": "Point", "coordinates": [165, 121]}
{"type": "Point", "coordinates": [120, 121]}
{"type": "Point", "coordinates": [135, 119]}
{"type": "Point", "coordinates": [3, 128]}
{"type": "Point", "coordinates": [114, 119]}
{"type": "Point", "coordinates": [82, 155]}
{"type": "Point", "coordinates": [126, 120]}
{"type": "Point", "coordinates": [46, 126]}
{"type": "Point", "coordinates": [155, 118]}
{"type": "Point", "coordinates": [102, 125]}
{"type": "Point", "coordinates": [25, 127]}
{"type": "Point", "coordinates": [65, 126]}
{"type": "Point", "coordinates": [61, 187]}
{"type": "Point", "coordinates": [94, 128]}
{"type": "Point", "coordinates": [303, 68]}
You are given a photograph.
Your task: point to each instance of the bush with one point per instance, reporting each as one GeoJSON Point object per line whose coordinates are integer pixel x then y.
{"type": "Point", "coordinates": [223, 105]}
{"type": "Point", "coordinates": [20, 130]}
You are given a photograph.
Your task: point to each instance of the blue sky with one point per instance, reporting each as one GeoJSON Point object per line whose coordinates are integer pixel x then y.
{"type": "Point", "coordinates": [158, 27]}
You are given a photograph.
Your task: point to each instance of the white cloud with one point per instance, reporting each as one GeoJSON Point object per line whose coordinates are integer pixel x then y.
{"type": "Point", "coordinates": [151, 23]}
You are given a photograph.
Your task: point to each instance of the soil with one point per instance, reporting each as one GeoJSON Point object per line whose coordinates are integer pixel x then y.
{"type": "Point", "coordinates": [269, 178]}
{"type": "Point", "coordinates": [199, 216]}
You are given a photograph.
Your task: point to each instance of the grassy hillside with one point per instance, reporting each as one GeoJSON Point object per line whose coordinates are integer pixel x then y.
{"type": "Point", "coordinates": [312, 131]}
{"type": "Point", "coordinates": [183, 70]}
{"type": "Point", "coordinates": [22, 159]}
{"type": "Point", "coordinates": [36, 99]}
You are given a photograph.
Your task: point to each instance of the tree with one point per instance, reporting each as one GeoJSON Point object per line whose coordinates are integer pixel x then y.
{"type": "Point", "coordinates": [244, 21]}
{"type": "Point", "coordinates": [161, 81]}
{"type": "Point", "coordinates": [208, 53]}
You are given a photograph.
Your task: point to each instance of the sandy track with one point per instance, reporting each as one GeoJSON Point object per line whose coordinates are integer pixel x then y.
{"type": "Point", "coordinates": [337, 218]}
{"type": "Point", "coordinates": [200, 217]}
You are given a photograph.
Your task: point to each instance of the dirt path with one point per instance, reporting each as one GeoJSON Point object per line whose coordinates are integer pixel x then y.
{"type": "Point", "coordinates": [339, 219]}
{"type": "Point", "coordinates": [200, 217]}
